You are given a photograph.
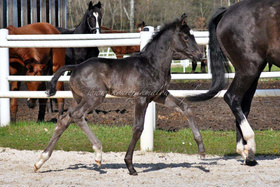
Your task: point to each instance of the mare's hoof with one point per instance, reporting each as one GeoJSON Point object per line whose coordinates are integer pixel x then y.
{"type": "Point", "coordinates": [250, 163]}
{"type": "Point", "coordinates": [98, 163]}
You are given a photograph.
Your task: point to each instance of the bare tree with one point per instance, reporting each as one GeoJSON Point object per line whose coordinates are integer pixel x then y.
{"type": "Point", "coordinates": [131, 15]}
{"type": "Point", "coordinates": [122, 14]}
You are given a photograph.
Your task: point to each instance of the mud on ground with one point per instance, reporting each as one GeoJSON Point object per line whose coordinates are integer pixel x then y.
{"type": "Point", "coordinates": [209, 115]}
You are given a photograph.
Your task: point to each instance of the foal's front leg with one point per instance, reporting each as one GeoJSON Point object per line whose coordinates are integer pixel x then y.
{"type": "Point", "coordinates": [138, 126]}
{"type": "Point", "coordinates": [170, 101]}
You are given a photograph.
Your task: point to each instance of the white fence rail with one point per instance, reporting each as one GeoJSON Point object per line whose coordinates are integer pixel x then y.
{"type": "Point", "coordinates": [88, 40]}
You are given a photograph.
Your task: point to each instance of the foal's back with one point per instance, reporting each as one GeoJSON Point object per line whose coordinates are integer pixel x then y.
{"type": "Point", "coordinates": [122, 77]}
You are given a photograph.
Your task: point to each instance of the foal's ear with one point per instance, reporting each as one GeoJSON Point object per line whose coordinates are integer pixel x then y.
{"type": "Point", "coordinates": [98, 5]}
{"type": "Point", "coordinates": [184, 19]}
{"type": "Point", "coordinates": [90, 5]}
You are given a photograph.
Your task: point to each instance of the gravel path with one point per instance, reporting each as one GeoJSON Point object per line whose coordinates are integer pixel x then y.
{"type": "Point", "coordinates": [155, 169]}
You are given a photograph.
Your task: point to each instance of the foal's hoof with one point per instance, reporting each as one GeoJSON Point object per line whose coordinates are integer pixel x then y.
{"type": "Point", "coordinates": [134, 173]}
{"type": "Point", "coordinates": [35, 169]}
{"type": "Point", "coordinates": [202, 155]}
{"type": "Point", "coordinates": [250, 163]}
{"type": "Point", "coordinates": [98, 163]}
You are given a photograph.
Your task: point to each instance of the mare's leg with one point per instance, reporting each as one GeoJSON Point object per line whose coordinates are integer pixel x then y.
{"type": "Point", "coordinates": [242, 88]}
{"type": "Point", "coordinates": [138, 126]}
{"type": "Point", "coordinates": [15, 86]}
{"type": "Point", "coordinates": [203, 65]}
{"type": "Point", "coordinates": [59, 61]}
{"type": "Point", "coordinates": [170, 101]}
{"type": "Point", "coordinates": [78, 115]}
{"type": "Point", "coordinates": [62, 124]}
{"type": "Point", "coordinates": [42, 109]}
{"type": "Point", "coordinates": [42, 105]}
{"type": "Point", "coordinates": [246, 105]}
{"type": "Point", "coordinates": [269, 66]}
{"type": "Point", "coordinates": [194, 65]}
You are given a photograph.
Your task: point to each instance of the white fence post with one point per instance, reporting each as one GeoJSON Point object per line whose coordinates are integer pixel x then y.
{"type": "Point", "coordinates": [4, 84]}
{"type": "Point", "coordinates": [147, 137]}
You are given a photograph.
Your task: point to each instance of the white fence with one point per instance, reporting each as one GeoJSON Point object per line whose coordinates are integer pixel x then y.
{"type": "Point", "coordinates": [86, 40]}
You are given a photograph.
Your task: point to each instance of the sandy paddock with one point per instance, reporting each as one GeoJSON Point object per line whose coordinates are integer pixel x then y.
{"type": "Point", "coordinates": [155, 169]}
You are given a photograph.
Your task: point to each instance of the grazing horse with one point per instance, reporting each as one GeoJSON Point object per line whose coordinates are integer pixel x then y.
{"type": "Point", "coordinates": [122, 50]}
{"type": "Point", "coordinates": [144, 77]}
{"type": "Point", "coordinates": [247, 33]}
{"type": "Point", "coordinates": [36, 62]}
{"type": "Point", "coordinates": [90, 24]}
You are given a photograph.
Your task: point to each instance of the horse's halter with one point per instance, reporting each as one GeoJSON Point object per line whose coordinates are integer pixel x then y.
{"type": "Point", "coordinates": [97, 27]}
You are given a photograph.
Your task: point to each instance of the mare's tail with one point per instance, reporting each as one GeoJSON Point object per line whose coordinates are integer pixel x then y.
{"type": "Point", "coordinates": [218, 60]}
{"type": "Point", "coordinates": [52, 85]}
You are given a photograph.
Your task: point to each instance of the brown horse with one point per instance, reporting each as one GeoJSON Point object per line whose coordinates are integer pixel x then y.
{"type": "Point", "coordinates": [122, 50]}
{"type": "Point", "coordinates": [36, 62]}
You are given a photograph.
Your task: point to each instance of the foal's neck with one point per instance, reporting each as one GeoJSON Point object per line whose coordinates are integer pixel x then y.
{"type": "Point", "coordinates": [160, 52]}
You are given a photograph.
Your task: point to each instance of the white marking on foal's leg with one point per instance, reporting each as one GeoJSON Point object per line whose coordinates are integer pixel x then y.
{"type": "Point", "coordinates": [98, 155]}
{"type": "Point", "coordinates": [95, 14]}
{"type": "Point", "coordinates": [44, 157]}
{"type": "Point", "coordinates": [249, 136]}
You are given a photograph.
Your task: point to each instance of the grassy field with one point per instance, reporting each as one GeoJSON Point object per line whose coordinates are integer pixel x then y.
{"type": "Point", "coordinates": [32, 136]}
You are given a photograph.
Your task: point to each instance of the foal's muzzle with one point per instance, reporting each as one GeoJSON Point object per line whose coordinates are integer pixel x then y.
{"type": "Point", "coordinates": [197, 57]}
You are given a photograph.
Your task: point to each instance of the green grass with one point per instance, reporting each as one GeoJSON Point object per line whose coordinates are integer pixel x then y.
{"type": "Point", "coordinates": [32, 136]}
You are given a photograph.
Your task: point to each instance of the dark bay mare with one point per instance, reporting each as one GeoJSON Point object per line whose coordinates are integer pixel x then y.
{"type": "Point", "coordinates": [248, 34]}
{"type": "Point", "coordinates": [90, 24]}
{"type": "Point", "coordinates": [36, 62]}
{"type": "Point", "coordinates": [143, 77]}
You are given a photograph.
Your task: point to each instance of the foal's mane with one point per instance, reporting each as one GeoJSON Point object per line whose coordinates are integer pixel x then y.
{"type": "Point", "coordinates": [173, 25]}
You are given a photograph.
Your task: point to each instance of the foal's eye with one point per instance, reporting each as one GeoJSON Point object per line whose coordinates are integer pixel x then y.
{"type": "Point", "coordinates": [186, 37]}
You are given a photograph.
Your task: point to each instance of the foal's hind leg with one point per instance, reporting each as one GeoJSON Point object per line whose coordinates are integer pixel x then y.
{"type": "Point", "coordinates": [78, 116]}
{"type": "Point", "coordinates": [172, 102]}
{"type": "Point", "coordinates": [62, 124]}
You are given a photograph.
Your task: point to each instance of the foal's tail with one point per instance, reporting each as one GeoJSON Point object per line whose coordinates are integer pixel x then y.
{"type": "Point", "coordinates": [52, 85]}
{"type": "Point", "coordinates": [218, 60]}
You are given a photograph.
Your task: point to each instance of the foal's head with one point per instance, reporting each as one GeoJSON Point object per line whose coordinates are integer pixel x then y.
{"type": "Point", "coordinates": [93, 17]}
{"type": "Point", "coordinates": [184, 44]}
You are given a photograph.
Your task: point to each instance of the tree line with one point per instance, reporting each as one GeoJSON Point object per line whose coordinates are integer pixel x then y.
{"type": "Point", "coordinates": [125, 14]}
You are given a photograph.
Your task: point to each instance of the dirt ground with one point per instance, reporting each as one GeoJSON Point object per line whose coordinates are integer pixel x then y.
{"type": "Point", "coordinates": [154, 169]}
{"type": "Point", "coordinates": [209, 115]}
